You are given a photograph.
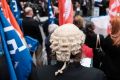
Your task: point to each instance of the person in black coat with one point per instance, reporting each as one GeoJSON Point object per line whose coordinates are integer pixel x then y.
{"type": "Point", "coordinates": [111, 46]}
{"type": "Point", "coordinates": [66, 42]}
{"type": "Point", "coordinates": [102, 7]}
{"type": "Point", "coordinates": [91, 38]}
{"type": "Point", "coordinates": [30, 27]}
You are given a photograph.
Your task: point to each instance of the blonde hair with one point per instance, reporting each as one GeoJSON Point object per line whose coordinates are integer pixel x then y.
{"type": "Point", "coordinates": [115, 30]}
{"type": "Point", "coordinates": [78, 21]}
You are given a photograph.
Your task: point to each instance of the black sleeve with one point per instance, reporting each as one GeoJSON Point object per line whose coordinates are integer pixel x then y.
{"type": "Point", "coordinates": [100, 76]}
{"type": "Point", "coordinates": [38, 32]}
{"type": "Point", "coordinates": [101, 40]}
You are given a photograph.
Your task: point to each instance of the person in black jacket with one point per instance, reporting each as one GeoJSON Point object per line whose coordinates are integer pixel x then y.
{"type": "Point", "coordinates": [111, 46]}
{"type": "Point", "coordinates": [102, 7]}
{"type": "Point", "coordinates": [66, 42]}
{"type": "Point", "coordinates": [91, 38]}
{"type": "Point", "coordinates": [30, 27]}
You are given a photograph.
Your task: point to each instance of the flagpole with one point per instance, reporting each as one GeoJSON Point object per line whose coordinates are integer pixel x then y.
{"type": "Point", "coordinates": [6, 52]}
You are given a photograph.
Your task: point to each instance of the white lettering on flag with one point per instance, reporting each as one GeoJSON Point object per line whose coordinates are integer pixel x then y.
{"type": "Point", "coordinates": [67, 9]}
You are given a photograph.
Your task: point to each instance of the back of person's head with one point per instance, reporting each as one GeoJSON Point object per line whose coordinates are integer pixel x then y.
{"type": "Point", "coordinates": [89, 27]}
{"type": "Point", "coordinates": [78, 21]}
{"type": "Point", "coordinates": [28, 11]}
{"type": "Point", "coordinates": [52, 27]}
{"type": "Point", "coordinates": [115, 30]}
{"type": "Point", "coordinates": [66, 42]}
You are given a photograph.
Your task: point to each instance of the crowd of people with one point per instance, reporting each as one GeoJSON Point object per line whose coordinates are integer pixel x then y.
{"type": "Point", "coordinates": [65, 45]}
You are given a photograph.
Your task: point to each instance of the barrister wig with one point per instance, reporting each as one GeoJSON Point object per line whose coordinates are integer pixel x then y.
{"type": "Point", "coordinates": [66, 41]}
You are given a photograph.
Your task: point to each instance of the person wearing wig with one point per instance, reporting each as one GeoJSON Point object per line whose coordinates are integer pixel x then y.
{"type": "Point", "coordinates": [66, 43]}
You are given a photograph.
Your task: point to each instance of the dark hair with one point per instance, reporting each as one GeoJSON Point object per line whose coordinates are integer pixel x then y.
{"type": "Point", "coordinates": [89, 27]}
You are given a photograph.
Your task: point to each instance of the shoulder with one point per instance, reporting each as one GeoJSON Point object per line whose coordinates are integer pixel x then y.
{"type": "Point", "coordinates": [43, 73]}
{"type": "Point", "coordinates": [108, 40]}
{"type": "Point", "coordinates": [94, 74]}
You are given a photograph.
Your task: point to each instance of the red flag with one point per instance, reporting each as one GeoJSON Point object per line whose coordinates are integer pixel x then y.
{"type": "Point", "coordinates": [114, 8]}
{"type": "Point", "coordinates": [8, 14]}
{"type": "Point", "coordinates": [65, 12]}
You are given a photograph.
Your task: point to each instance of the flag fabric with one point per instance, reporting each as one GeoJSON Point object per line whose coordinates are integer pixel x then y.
{"type": "Point", "coordinates": [32, 43]}
{"type": "Point", "coordinates": [50, 12]}
{"type": "Point", "coordinates": [114, 8]}
{"type": "Point", "coordinates": [65, 11]}
{"type": "Point", "coordinates": [19, 53]}
{"type": "Point", "coordinates": [7, 55]}
{"type": "Point", "coordinates": [16, 10]}
{"type": "Point", "coordinates": [8, 14]}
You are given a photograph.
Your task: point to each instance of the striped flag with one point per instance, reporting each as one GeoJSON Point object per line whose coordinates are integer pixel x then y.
{"type": "Point", "coordinates": [16, 45]}
{"type": "Point", "coordinates": [51, 15]}
{"type": "Point", "coordinates": [114, 8]}
{"type": "Point", "coordinates": [65, 11]}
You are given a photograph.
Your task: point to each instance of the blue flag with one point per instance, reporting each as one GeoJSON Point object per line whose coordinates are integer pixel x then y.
{"type": "Point", "coordinates": [32, 43]}
{"type": "Point", "coordinates": [51, 16]}
{"type": "Point", "coordinates": [7, 55]}
{"type": "Point", "coordinates": [16, 10]}
{"type": "Point", "coordinates": [20, 55]}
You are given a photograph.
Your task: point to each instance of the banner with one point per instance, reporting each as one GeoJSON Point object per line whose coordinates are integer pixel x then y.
{"type": "Point", "coordinates": [51, 15]}
{"type": "Point", "coordinates": [65, 11]}
{"type": "Point", "coordinates": [16, 10]}
{"type": "Point", "coordinates": [101, 25]}
{"type": "Point", "coordinates": [114, 8]}
{"type": "Point", "coordinates": [16, 45]}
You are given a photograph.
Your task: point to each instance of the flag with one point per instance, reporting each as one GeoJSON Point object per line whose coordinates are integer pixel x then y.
{"type": "Point", "coordinates": [51, 15]}
{"type": "Point", "coordinates": [8, 14]}
{"type": "Point", "coordinates": [114, 8]}
{"type": "Point", "coordinates": [7, 55]}
{"type": "Point", "coordinates": [65, 11]}
{"type": "Point", "coordinates": [16, 10]}
{"type": "Point", "coordinates": [32, 43]}
{"type": "Point", "coordinates": [19, 53]}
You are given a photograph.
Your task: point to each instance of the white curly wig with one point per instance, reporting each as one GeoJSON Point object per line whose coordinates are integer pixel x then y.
{"type": "Point", "coordinates": [66, 40]}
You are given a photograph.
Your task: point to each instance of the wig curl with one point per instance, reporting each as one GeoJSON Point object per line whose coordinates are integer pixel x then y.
{"type": "Point", "coordinates": [66, 41]}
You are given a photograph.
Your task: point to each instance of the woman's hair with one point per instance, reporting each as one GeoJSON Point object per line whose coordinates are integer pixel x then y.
{"type": "Point", "coordinates": [115, 30]}
{"type": "Point", "coordinates": [78, 21]}
{"type": "Point", "coordinates": [89, 28]}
